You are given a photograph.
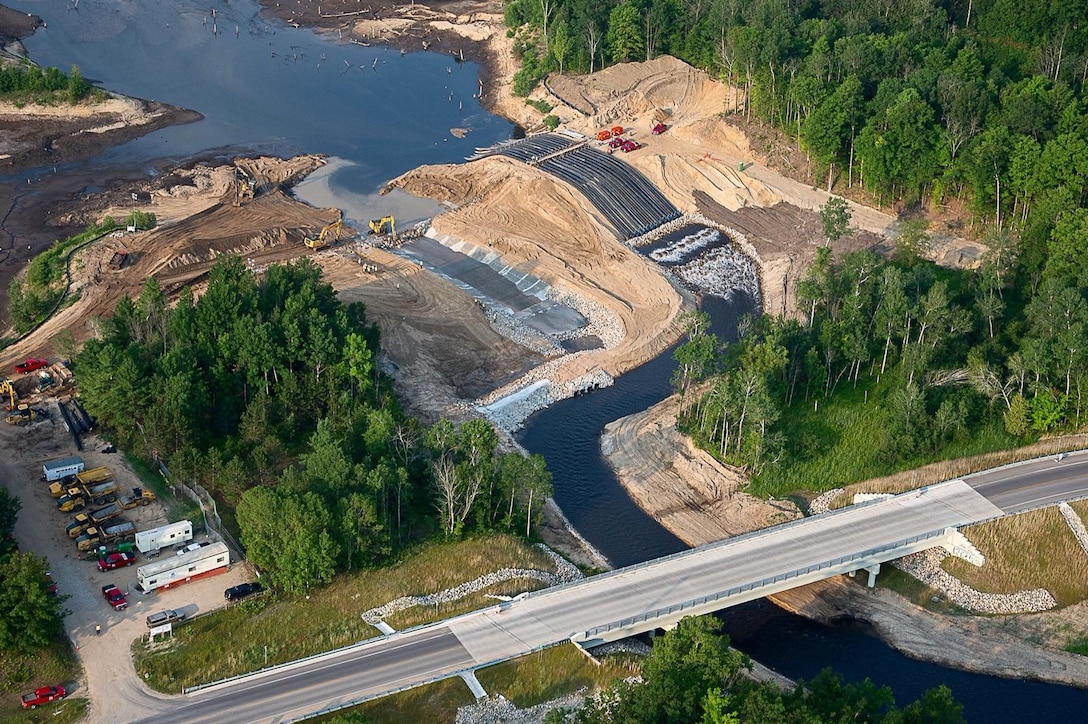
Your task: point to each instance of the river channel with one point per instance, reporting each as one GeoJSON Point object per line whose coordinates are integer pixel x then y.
{"type": "Point", "coordinates": [269, 88]}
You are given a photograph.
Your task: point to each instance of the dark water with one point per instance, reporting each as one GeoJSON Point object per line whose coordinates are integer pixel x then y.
{"type": "Point", "coordinates": [800, 649]}
{"type": "Point", "coordinates": [568, 435]}
{"type": "Point", "coordinates": [282, 90]}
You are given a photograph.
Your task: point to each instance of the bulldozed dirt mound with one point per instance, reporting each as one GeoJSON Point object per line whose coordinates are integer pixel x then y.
{"type": "Point", "coordinates": [542, 227]}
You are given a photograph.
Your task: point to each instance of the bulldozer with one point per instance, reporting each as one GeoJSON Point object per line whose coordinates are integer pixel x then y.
{"type": "Point", "coordinates": [378, 226]}
{"type": "Point", "coordinates": [23, 415]}
{"type": "Point", "coordinates": [329, 235]}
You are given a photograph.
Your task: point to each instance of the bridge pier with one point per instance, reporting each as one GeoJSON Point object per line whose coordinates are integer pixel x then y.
{"type": "Point", "coordinates": [873, 570]}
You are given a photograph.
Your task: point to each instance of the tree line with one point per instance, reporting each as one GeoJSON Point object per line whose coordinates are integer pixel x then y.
{"type": "Point", "coordinates": [30, 610]}
{"type": "Point", "coordinates": [267, 392]}
{"type": "Point", "coordinates": [33, 80]}
{"type": "Point", "coordinates": [946, 353]}
{"type": "Point", "coordinates": [692, 675]}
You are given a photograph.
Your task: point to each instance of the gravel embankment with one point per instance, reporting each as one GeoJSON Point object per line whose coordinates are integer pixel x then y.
{"type": "Point", "coordinates": [565, 572]}
{"type": "Point", "coordinates": [926, 567]}
{"type": "Point", "coordinates": [1075, 524]}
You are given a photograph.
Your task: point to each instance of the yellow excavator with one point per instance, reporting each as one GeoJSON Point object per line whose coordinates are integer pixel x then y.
{"type": "Point", "coordinates": [329, 235]}
{"type": "Point", "coordinates": [378, 226]}
{"type": "Point", "coordinates": [8, 389]}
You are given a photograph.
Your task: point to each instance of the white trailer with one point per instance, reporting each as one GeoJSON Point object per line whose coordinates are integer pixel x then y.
{"type": "Point", "coordinates": [57, 469]}
{"type": "Point", "coordinates": [149, 542]}
{"type": "Point", "coordinates": [176, 570]}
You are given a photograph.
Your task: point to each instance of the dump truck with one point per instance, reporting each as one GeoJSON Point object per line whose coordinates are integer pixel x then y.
{"type": "Point", "coordinates": [82, 479]}
{"type": "Point", "coordinates": [79, 498]}
{"type": "Point", "coordinates": [138, 496]}
{"type": "Point", "coordinates": [83, 521]}
{"type": "Point", "coordinates": [96, 536]}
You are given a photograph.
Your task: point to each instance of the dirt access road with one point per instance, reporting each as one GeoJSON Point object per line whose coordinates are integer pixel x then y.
{"type": "Point", "coordinates": [109, 677]}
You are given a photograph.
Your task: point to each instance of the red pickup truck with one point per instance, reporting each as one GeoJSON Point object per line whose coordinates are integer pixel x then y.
{"type": "Point", "coordinates": [44, 695]}
{"type": "Point", "coordinates": [115, 596]}
{"type": "Point", "coordinates": [25, 368]}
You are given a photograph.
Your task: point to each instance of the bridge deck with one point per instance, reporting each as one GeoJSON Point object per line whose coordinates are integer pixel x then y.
{"type": "Point", "coordinates": [719, 575]}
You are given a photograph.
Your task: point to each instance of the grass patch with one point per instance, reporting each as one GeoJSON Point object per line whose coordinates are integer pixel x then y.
{"type": "Point", "coordinates": [1030, 550]}
{"type": "Point", "coordinates": [838, 442]}
{"type": "Point", "coordinates": [56, 664]}
{"type": "Point", "coordinates": [1079, 647]}
{"type": "Point", "coordinates": [435, 702]}
{"type": "Point", "coordinates": [550, 673]}
{"type": "Point", "coordinates": [541, 105]}
{"type": "Point", "coordinates": [65, 711]}
{"type": "Point", "coordinates": [271, 630]}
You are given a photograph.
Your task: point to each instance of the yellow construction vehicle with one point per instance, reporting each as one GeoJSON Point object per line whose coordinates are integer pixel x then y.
{"type": "Point", "coordinates": [329, 235]}
{"type": "Point", "coordinates": [24, 415]}
{"type": "Point", "coordinates": [378, 226]}
{"type": "Point", "coordinates": [7, 388]}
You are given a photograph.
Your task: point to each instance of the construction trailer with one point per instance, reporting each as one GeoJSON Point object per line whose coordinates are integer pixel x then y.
{"type": "Point", "coordinates": [176, 570]}
{"type": "Point", "coordinates": [57, 469]}
{"type": "Point", "coordinates": [149, 542]}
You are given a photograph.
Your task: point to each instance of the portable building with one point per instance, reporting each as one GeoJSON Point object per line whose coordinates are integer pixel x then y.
{"type": "Point", "coordinates": [176, 570]}
{"type": "Point", "coordinates": [57, 469]}
{"type": "Point", "coordinates": [150, 541]}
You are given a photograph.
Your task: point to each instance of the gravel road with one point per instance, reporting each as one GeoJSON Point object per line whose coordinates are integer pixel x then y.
{"type": "Point", "coordinates": [109, 680]}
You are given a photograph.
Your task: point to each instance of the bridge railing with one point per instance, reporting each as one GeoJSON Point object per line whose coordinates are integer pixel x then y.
{"type": "Point", "coordinates": [699, 550]}
{"type": "Point", "coordinates": [743, 588]}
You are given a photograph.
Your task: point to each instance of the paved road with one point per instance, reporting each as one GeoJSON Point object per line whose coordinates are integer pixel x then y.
{"type": "Point", "coordinates": [1034, 484]}
{"type": "Point", "coordinates": [555, 615]}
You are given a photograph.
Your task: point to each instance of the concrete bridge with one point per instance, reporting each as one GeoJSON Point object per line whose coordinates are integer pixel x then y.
{"type": "Point", "coordinates": [608, 607]}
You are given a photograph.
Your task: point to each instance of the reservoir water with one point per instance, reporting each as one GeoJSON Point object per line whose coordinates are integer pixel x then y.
{"type": "Point", "coordinates": [265, 87]}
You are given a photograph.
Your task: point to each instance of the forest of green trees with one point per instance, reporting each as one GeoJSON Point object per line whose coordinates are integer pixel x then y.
{"type": "Point", "coordinates": [922, 103]}
{"type": "Point", "coordinates": [266, 391]}
{"type": "Point", "coordinates": [920, 100]}
{"type": "Point", "coordinates": [934, 357]}
{"type": "Point", "coordinates": [692, 675]}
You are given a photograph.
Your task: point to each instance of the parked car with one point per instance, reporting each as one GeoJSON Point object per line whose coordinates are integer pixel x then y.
{"type": "Point", "coordinates": [237, 593]}
{"type": "Point", "coordinates": [630, 146]}
{"type": "Point", "coordinates": [659, 129]}
{"type": "Point", "coordinates": [32, 364]}
{"type": "Point", "coordinates": [115, 596]}
{"type": "Point", "coordinates": [616, 142]}
{"type": "Point", "coordinates": [116, 560]}
{"type": "Point", "coordinates": [44, 695]}
{"type": "Point", "coordinates": [167, 616]}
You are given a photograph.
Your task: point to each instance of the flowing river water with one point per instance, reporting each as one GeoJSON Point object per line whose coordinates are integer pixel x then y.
{"type": "Point", "coordinates": [263, 87]}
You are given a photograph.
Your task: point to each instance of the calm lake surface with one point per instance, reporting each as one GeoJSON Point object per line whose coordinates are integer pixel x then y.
{"type": "Point", "coordinates": [269, 88]}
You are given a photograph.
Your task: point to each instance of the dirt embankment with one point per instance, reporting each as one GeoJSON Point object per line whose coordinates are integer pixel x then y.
{"type": "Point", "coordinates": [695, 497]}
{"type": "Point", "coordinates": [43, 137]}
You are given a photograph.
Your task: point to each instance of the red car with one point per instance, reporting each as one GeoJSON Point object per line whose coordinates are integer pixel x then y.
{"type": "Point", "coordinates": [616, 142]}
{"type": "Point", "coordinates": [34, 363]}
{"type": "Point", "coordinates": [43, 695]}
{"type": "Point", "coordinates": [659, 129]}
{"type": "Point", "coordinates": [115, 596]}
{"type": "Point", "coordinates": [116, 560]}
{"type": "Point", "coordinates": [630, 146]}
